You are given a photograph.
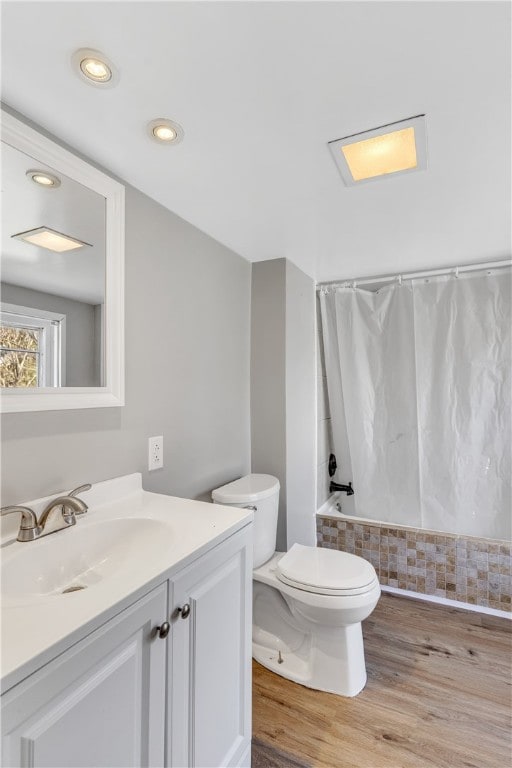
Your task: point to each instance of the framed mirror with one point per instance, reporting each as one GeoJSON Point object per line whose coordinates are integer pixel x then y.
{"type": "Point", "coordinates": [61, 277]}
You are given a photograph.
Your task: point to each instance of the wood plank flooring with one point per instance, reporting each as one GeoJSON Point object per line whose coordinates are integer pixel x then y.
{"type": "Point", "coordinates": [438, 695]}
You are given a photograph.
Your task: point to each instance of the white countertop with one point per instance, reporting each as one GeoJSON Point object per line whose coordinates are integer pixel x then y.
{"type": "Point", "coordinates": [36, 628]}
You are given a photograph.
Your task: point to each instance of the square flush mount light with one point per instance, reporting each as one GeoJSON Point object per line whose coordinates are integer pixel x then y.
{"type": "Point", "coordinates": [395, 148]}
{"type": "Point", "coordinates": [48, 238]}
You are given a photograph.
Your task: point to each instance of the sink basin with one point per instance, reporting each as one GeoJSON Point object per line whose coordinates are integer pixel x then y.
{"type": "Point", "coordinates": [67, 562]}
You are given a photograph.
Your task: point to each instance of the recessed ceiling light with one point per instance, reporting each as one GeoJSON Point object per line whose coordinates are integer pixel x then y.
{"type": "Point", "coordinates": [165, 131]}
{"type": "Point", "coordinates": [391, 149]}
{"type": "Point", "coordinates": [94, 68]}
{"type": "Point", "coordinates": [44, 237]}
{"type": "Point", "coordinates": [43, 178]}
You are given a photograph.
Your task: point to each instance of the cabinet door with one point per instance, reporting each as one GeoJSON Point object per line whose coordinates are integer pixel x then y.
{"type": "Point", "coordinates": [211, 657]}
{"type": "Point", "coordinates": [99, 704]}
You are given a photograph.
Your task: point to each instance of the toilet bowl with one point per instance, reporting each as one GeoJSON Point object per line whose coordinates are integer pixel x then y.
{"type": "Point", "coordinates": [308, 603]}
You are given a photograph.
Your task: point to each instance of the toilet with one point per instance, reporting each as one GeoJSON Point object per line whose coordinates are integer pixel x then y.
{"type": "Point", "coordinates": [308, 603]}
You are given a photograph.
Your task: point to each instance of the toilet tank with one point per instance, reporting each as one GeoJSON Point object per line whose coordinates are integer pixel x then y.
{"type": "Point", "coordinates": [260, 493]}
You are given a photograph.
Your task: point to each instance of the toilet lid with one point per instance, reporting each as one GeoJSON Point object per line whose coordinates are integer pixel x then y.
{"type": "Point", "coordinates": [247, 489]}
{"type": "Point", "coordinates": [325, 571]}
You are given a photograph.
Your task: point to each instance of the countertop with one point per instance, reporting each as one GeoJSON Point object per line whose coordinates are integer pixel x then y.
{"type": "Point", "coordinates": [36, 628]}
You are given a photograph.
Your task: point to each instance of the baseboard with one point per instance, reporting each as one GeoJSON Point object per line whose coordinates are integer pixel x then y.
{"type": "Point", "coordinates": [447, 601]}
{"type": "Point", "coordinates": [245, 759]}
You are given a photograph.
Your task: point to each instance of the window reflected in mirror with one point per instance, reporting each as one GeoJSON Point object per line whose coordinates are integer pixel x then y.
{"type": "Point", "coordinates": [20, 361]}
{"type": "Point", "coordinates": [31, 347]}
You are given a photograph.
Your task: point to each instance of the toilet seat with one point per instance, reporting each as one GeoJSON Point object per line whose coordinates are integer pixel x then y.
{"type": "Point", "coordinates": [325, 571]}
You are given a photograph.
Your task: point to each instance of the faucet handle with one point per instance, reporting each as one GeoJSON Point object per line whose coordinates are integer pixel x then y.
{"type": "Point", "coordinates": [74, 493]}
{"type": "Point", "coordinates": [29, 528]}
{"type": "Point", "coordinates": [80, 489]}
{"type": "Point", "coordinates": [27, 515]}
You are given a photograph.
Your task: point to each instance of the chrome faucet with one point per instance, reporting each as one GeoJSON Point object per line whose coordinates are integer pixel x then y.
{"type": "Point", "coordinates": [60, 513]}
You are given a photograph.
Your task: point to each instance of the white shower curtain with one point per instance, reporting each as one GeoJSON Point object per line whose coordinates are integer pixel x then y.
{"type": "Point", "coordinates": [419, 384]}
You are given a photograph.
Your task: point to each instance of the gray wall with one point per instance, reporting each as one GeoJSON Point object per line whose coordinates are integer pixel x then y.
{"type": "Point", "coordinates": [82, 341]}
{"type": "Point", "coordinates": [283, 415]}
{"type": "Point", "coordinates": [300, 407]}
{"type": "Point", "coordinates": [187, 375]}
{"type": "Point", "coordinates": [268, 377]}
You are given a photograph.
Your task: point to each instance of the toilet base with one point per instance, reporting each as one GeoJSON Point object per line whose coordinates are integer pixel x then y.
{"type": "Point", "coordinates": [330, 659]}
{"type": "Point", "coordinates": [319, 637]}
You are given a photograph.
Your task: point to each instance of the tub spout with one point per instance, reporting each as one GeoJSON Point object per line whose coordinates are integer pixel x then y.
{"type": "Point", "coordinates": [337, 487]}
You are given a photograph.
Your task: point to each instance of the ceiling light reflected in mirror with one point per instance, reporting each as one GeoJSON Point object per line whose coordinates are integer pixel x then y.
{"type": "Point", "coordinates": [44, 237]}
{"type": "Point", "coordinates": [44, 179]}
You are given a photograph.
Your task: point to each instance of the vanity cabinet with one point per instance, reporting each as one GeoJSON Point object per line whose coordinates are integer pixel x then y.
{"type": "Point", "coordinates": [210, 674]}
{"type": "Point", "coordinates": [125, 696]}
{"type": "Point", "coordinates": [101, 703]}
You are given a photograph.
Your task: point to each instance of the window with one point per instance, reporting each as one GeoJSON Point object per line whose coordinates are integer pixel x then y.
{"type": "Point", "coordinates": [31, 347]}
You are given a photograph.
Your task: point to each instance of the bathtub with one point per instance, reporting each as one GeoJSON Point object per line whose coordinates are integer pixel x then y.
{"type": "Point", "coordinates": [466, 571]}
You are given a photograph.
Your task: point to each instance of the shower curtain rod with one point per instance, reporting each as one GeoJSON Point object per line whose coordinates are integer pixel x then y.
{"type": "Point", "coordinates": [354, 281]}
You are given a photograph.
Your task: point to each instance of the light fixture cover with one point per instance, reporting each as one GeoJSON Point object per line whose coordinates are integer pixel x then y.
{"type": "Point", "coordinates": [165, 131]}
{"type": "Point", "coordinates": [392, 149]}
{"type": "Point", "coordinates": [43, 178]}
{"type": "Point", "coordinates": [44, 237]}
{"type": "Point", "coordinates": [94, 68]}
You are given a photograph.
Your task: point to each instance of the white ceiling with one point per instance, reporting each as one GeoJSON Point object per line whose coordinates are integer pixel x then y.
{"type": "Point", "coordinates": [260, 88]}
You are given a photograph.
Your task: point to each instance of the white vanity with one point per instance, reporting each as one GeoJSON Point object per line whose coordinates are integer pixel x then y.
{"type": "Point", "coordinates": [126, 640]}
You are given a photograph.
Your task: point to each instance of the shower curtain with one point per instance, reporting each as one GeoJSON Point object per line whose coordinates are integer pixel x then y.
{"type": "Point", "coordinates": [419, 385]}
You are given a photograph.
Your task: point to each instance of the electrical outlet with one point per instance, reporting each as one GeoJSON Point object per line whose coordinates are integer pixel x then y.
{"type": "Point", "coordinates": [155, 453]}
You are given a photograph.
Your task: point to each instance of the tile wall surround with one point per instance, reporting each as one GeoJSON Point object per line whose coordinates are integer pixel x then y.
{"type": "Point", "coordinates": [461, 568]}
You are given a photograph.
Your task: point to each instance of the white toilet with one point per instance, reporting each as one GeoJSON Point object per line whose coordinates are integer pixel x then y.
{"type": "Point", "coordinates": [308, 603]}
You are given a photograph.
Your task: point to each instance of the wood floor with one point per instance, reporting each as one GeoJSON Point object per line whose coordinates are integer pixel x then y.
{"type": "Point", "coordinates": [438, 694]}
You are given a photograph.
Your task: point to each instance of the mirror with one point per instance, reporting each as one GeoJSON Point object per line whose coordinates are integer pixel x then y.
{"type": "Point", "coordinates": [61, 289]}
{"type": "Point", "coordinates": [52, 300]}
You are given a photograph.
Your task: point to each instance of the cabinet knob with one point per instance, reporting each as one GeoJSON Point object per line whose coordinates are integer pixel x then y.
{"type": "Point", "coordinates": [185, 611]}
{"type": "Point", "coordinates": [163, 630]}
